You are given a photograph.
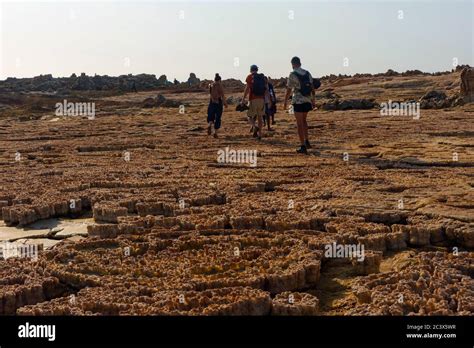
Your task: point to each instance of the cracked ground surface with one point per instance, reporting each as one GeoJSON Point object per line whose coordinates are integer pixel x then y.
{"type": "Point", "coordinates": [172, 231]}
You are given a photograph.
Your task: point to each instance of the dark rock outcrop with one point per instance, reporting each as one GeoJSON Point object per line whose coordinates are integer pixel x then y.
{"type": "Point", "coordinates": [193, 80]}
{"type": "Point", "coordinates": [438, 100]}
{"type": "Point", "coordinates": [161, 101]}
{"type": "Point", "coordinates": [349, 104]}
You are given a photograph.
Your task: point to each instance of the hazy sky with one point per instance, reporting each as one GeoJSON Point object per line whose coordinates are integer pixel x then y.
{"type": "Point", "coordinates": [205, 37]}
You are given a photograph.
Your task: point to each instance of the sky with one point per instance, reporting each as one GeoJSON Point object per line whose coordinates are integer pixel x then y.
{"type": "Point", "coordinates": [176, 38]}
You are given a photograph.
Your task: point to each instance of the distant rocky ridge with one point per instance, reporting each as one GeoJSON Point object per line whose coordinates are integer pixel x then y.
{"type": "Point", "coordinates": [391, 73]}
{"type": "Point", "coordinates": [332, 78]}
{"type": "Point", "coordinates": [47, 83]}
{"type": "Point", "coordinates": [123, 83]}
{"type": "Point", "coordinates": [145, 82]}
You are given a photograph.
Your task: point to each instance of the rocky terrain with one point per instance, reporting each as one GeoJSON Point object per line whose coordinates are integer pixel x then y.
{"type": "Point", "coordinates": [135, 215]}
{"type": "Point", "coordinates": [47, 84]}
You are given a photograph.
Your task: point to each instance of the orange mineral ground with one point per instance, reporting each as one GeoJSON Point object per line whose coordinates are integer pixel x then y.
{"type": "Point", "coordinates": [135, 215]}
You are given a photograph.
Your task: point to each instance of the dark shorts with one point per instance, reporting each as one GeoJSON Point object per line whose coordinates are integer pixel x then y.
{"type": "Point", "coordinates": [305, 107]}
{"type": "Point", "coordinates": [214, 114]}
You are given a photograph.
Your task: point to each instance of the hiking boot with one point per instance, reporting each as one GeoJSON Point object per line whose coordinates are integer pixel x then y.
{"type": "Point", "coordinates": [255, 132]}
{"type": "Point", "coordinates": [216, 136]}
{"type": "Point", "coordinates": [307, 144]}
{"type": "Point", "coordinates": [209, 130]}
{"type": "Point", "coordinates": [302, 150]}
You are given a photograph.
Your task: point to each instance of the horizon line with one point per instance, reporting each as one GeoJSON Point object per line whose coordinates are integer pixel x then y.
{"type": "Point", "coordinates": [269, 75]}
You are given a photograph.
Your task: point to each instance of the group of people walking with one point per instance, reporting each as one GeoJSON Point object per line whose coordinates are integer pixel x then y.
{"type": "Point", "coordinates": [262, 102]}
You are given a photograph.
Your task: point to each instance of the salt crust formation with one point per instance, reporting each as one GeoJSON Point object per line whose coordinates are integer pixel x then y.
{"type": "Point", "coordinates": [176, 232]}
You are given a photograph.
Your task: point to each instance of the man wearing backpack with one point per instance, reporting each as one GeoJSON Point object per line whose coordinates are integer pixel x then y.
{"type": "Point", "coordinates": [300, 83]}
{"type": "Point", "coordinates": [256, 89]}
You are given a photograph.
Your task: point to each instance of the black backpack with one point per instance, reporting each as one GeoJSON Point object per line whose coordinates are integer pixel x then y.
{"type": "Point", "coordinates": [316, 83]}
{"type": "Point", "coordinates": [305, 84]}
{"type": "Point", "coordinates": [258, 84]}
